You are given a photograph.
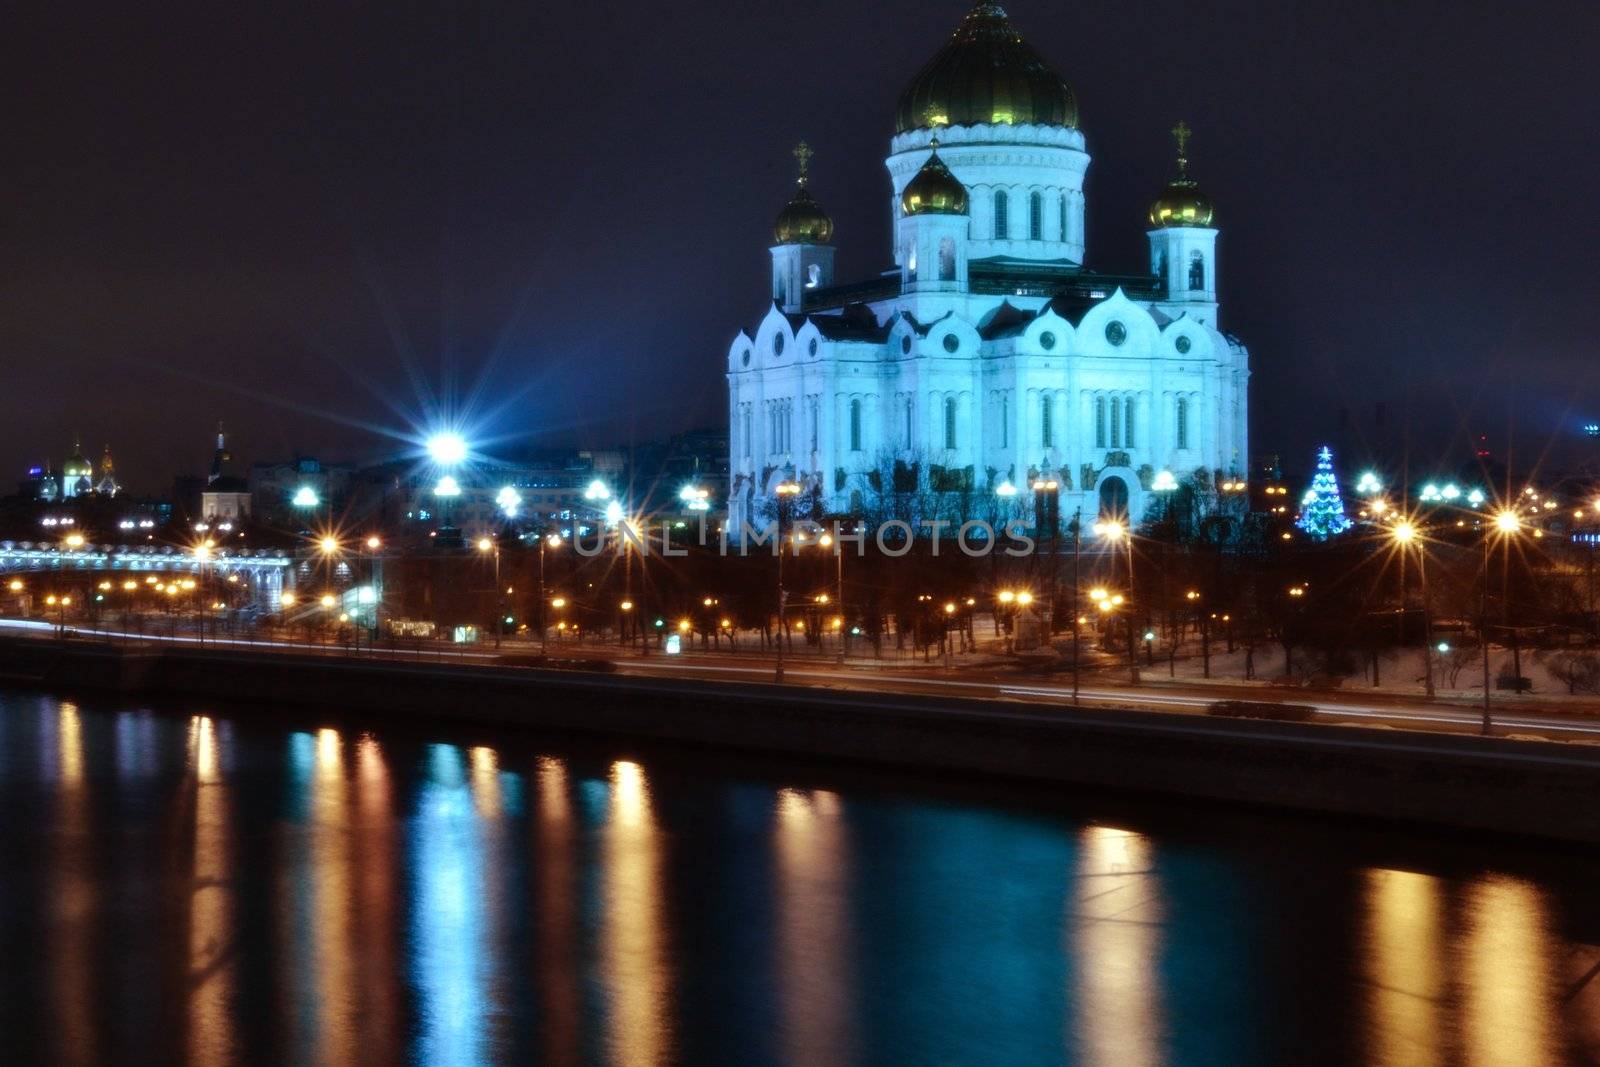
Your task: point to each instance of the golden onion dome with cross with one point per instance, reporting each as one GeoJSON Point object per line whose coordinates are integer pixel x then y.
{"type": "Point", "coordinates": [1182, 203]}
{"type": "Point", "coordinates": [934, 190]}
{"type": "Point", "coordinates": [986, 75]}
{"type": "Point", "coordinates": [802, 220]}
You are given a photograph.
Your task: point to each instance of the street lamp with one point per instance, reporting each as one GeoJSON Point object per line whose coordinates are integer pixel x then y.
{"type": "Point", "coordinates": [486, 545]}
{"type": "Point", "coordinates": [785, 490]}
{"type": "Point", "coordinates": [1047, 515]}
{"type": "Point", "coordinates": [547, 541]}
{"type": "Point", "coordinates": [1507, 524]}
{"type": "Point", "coordinates": [1405, 534]}
{"type": "Point", "coordinates": [1115, 532]}
{"type": "Point", "coordinates": [448, 449]}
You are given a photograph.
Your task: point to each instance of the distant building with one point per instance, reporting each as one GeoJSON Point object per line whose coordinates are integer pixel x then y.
{"type": "Point", "coordinates": [320, 488]}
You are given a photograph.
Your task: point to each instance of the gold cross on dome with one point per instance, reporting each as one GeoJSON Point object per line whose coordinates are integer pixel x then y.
{"type": "Point", "coordinates": [802, 155]}
{"type": "Point", "coordinates": [1181, 133]}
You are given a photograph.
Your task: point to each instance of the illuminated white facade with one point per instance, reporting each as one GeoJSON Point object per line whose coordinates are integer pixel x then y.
{"type": "Point", "coordinates": [990, 356]}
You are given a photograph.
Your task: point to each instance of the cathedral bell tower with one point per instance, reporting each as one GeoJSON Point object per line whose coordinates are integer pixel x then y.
{"type": "Point", "coordinates": [931, 232]}
{"type": "Point", "coordinates": [1183, 242]}
{"type": "Point", "coordinates": [802, 258]}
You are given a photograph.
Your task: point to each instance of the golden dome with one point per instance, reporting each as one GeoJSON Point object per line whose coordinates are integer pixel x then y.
{"type": "Point", "coordinates": [934, 190]}
{"type": "Point", "coordinates": [77, 465]}
{"type": "Point", "coordinates": [1182, 203]}
{"type": "Point", "coordinates": [802, 220]}
{"type": "Point", "coordinates": [986, 74]}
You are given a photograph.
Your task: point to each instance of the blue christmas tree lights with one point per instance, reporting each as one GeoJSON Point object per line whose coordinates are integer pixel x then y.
{"type": "Point", "coordinates": [1322, 508]}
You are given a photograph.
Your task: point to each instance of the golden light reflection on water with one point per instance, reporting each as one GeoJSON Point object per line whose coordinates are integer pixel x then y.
{"type": "Point", "coordinates": [378, 997]}
{"type": "Point", "coordinates": [557, 888]}
{"type": "Point", "coordinates": [1116, 925]}
{"type": "Point", "coordinates": [337, 1022]}
{"type": "Point", "coordinates": [815, 946]}
{"type": "Point", "coordinates": [1507, 965]}
{"type": "Point", "coordinates": [72, 949]}
{"type": "Point", "coordinates": [633, 942]}
{"type": "Point", "coordinates": [210, 1021]}
{"type": "Point", "coordinates": [486, 781]}
{"type": "Point", "coordinates": [1405, 966]}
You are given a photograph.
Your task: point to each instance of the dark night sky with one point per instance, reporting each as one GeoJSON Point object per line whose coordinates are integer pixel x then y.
{"type": "Point", "coordinates": [305, 219]}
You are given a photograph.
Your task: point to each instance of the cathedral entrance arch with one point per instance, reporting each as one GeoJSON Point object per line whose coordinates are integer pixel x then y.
{"type": "Point", "coordinates": [1113, 498]}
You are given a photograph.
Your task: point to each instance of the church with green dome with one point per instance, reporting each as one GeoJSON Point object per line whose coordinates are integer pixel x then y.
{"type": "Point", "coordinates": [989, 358]}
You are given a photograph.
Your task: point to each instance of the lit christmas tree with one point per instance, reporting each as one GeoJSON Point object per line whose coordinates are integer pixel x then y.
{"type": "Point", "coordinates": [1322, 508]}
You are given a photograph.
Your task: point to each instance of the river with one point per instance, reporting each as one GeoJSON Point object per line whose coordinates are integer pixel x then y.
{"type": "Point", "coordinates": [216, 885]}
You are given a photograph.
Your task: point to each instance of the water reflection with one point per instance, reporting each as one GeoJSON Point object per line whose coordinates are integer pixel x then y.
{"type": "Point", "coordinates": [199, 889]}
{"type": "Point", "coordinates": [211, 978]}
{"type": "Point", "coordinates": [73, 895]}
{"type": "Point", "coordinates": [447, 921]}
{"type": "Point", "coordinates": [815, 943]}
{"type": "Point", "coordinates": [331, 898]}
{"type": "Point", "coordinates": [1405, 967]}
{"type": "Point", "coordinates": [1507, 966]}
{"type": "Point", "coordinates": [1115, 924]}
{"type": "Point", "coordinates": [633, 943]}
{"type": "Point", "coordinates": [377, 998]}
{"type": "Point", "coordinates": [556, 889]}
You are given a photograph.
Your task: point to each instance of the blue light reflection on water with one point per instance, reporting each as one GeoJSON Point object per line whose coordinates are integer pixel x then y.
{"type": "Point", "coordinates": [194, 886]}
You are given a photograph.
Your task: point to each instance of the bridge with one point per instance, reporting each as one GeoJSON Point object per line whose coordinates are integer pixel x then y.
{"type": "Point", "coordinates": [263, 569]}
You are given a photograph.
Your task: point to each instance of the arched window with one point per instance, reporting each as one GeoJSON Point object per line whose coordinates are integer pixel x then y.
{"type": "Point", "coordinates": [1063, 216]}
{"type": "Point", "coordinates": [1047, 432]}
{"type": "Point", "coordinates": [1183, 422]}
{"type": "Point", "coordinates": [947, 260]}
{"type": "Point", "coordinates": [908, 417]}
{"type": "Point", "coordinates": [1197, 272]}
{"type": "Point", "coordinates": [1099, 422]}
{"type": "Point", "coordinates": [1002, 217]}
{"type": "Point", "coordinates": [949, 422]}
{"type": "Point", "coordinates": [814, 404]}
{"type": "Point", "coordinates": [1161, 269]}
{"type": "Point", "coordinates": [1116, 422]}
{"type": "Point", "coordinates": [1005, 421]}
{"type": "Point", "coordinates": [1127, 422]}
{"type": "Point", "coordinates": [1036, 217]}
{"type": "Point", "coordinates": [855, 425]}
{"type": "Point", "coordinates": [745, 426]}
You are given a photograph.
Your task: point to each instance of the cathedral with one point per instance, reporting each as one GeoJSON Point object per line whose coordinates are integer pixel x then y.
{"type": "Point", "coordinates": [989, 364]}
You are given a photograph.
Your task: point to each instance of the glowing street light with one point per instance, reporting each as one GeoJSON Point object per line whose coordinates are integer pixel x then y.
{"type": "Point", "coordinates": [448, 449]}
{"type": "Point", "coordinates": [328, 546]}
{"type": "Point", "coordinates": [1164, 482]}
{"type": "Point", "coordinates": [448, 487]}
{"type": "Point", "coordinates": [597, 490]}
{"type": "Point", "coordinates": [306, 497]}
{"type": "Point", "coordinates": [614, 512]}
{"type": "Point", "coordinates": [1403, 532]}
{"type": "Point", "coordinates": [509, 500]}
{"type": "Point", "coordinates": [1507, 521]}
{"type": "Point", "coordinates": [329, 600]}
{"type": "Point", "coordinates": [286, 599]}
{"type": "Point", "coordinates": [1005, 490]}
{"type": "Point", "coordinates": [1368, 484]}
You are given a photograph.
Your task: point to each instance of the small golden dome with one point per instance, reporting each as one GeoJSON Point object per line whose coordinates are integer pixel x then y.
{"type": "Point", "coordinates": [934, 190]}
{"type": "Point", "coordinates": [1182, 203]}
{"type": "Point", "coordinates": [802, 220]}
{"type": "Point", "coordinates": [77, 465]}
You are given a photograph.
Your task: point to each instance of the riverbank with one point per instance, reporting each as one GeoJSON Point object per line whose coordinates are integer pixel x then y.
{"type": "Point", "coordinates": [1522, 787]}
